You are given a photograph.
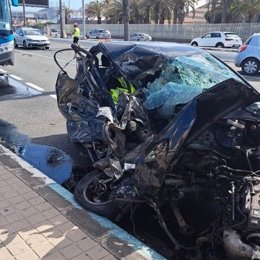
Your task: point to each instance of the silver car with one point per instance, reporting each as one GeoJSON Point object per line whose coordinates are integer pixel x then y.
{"type": "Point", "coordinates": [99, 34]}
{"type": "Point", "coordinates": [28, 37]}
{"type": "Point", "coordinates": [248, 57]}
{"type": "Point", "coordinates": [140, 37]}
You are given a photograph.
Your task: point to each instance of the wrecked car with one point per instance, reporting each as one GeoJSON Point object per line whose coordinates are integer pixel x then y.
{"type": "Point", "coordinates": [172, 127]}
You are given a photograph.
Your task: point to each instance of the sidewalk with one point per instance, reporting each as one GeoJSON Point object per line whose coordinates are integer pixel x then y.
{"type": "Point", "coordinates": [40, 220]}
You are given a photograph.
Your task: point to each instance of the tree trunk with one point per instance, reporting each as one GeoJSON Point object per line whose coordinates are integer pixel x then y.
{"type": "Point", "coordinates": [156, 13]}
{"type": "Point", "coordinates": [175, 14]}
{"type": "Point", "coordinates": [147, 15]}
{"type": "Point", "coordinates": [224, 11]}
{"type": "Point", "coordinates": [126, 18]}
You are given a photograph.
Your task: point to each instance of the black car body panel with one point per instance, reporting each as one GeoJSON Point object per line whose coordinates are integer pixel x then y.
{"type": "Point", "coordinates": [173, 127]}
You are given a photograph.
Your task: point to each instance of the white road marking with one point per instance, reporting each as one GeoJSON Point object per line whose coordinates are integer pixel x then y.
{"type": "Point", "coordinates": [53, 96]}
{"type": "Point", "coordinates": [35, 86]}
{"type": "Point", "coordinates": [3, 71]}
{"type": "Point", "coordinates": [15, 77]}
{"type": "Point", "coordinates": [43, 56]}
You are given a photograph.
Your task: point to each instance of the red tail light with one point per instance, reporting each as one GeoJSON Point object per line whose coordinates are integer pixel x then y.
{"type": "Point", "coordinates": [242, 48]}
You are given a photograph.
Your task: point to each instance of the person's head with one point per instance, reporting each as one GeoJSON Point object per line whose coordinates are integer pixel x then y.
{"type": "Point", "coordinates": [75, 25]}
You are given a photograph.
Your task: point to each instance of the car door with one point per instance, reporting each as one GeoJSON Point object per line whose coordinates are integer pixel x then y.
{"type": "Point", "coordinates": [206, 40]}
{"type": "Point", "coordinates": [93, 34]}
{"type": "Point", "coordinates": [19, 36]}
{"type": "Point", "coordinates": [90, 34]}
{"type": "Point", "coordinates": [215, 39]}
{"type": "Point", "coordinates": [132, 37]}
{"type": "Point", "coordinates": [140, 37]}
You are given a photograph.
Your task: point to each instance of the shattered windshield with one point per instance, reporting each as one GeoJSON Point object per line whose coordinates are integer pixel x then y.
{"type": "Point", "coordinates": [182, 78]}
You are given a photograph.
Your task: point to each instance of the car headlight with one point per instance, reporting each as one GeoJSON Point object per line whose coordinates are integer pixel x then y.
{"type": "Point", "coordinates": [7, 47]}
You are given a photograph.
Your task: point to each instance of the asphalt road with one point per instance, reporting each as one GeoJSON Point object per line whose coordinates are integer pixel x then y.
{"type": "Point", "coordinates": [38, 116]}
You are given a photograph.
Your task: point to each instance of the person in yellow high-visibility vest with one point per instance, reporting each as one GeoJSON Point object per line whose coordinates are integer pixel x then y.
{"type": "Point", "coordinates": [124, 87]}
{"type": "Point", "coordinates": [76, 34]}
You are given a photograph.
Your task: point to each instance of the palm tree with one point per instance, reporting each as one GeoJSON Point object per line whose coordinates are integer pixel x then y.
{"type": "Point", "coordinates": [145, 11]}
{"type": "Point", "coordinates": [67, 12]}
{"type": "Point", "coordinates": [246, 8]}
{"type": "Point", "coordinates": [113, 11]}
{"type": "Point", "coordinates": [94, 10]}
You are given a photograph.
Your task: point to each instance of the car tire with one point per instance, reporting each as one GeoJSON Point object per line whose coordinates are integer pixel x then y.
{"type": "Point", "coordinates": [194, 44]}
{"type": "Point", "coordinates": [15, 44]}
{"type": "Point", "coordinates": [85, 194]}
{"type": "Point", "coordinates": [24, 45]}
{"type": "Point", "coordinates": [250, 66]}
{"type": "Point", "coordinates": [220, 45]}
{"type": "Point", "coordinates": [47, 47]}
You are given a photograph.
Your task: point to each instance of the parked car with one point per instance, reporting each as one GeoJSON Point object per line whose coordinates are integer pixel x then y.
{"type": "Point", "coordinates": [28, 37]}
{"type": "Point", "coordinates": [218, 39]}
{"type": "Point", "coordinates": [55, 33]}
{"type": "Point", "coordinates": [248, 57]}
{"type": "Point", "coordinates": [99, 34]}
{"type": "Point", "coordinates": [171, 127]}
{"type": "Point", "coordinates": [140, 37]}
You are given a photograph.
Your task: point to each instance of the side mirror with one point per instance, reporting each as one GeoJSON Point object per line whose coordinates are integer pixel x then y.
{"type": "Point", "coordinates": [15, 2]}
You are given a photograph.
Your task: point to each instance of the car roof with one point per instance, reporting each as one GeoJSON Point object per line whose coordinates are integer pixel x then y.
{"type": "Point", "coordinates": [29, 28]}
{"type": "Point", "coordinates": [100, 29]}
{"type": "Point", "coordinates": [221, 32]}
{"type": "Point", "coordinates": [116, 48]}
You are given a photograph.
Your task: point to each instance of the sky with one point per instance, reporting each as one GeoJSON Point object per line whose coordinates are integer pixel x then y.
{"type": "Point", "coordinates": [74, 4]}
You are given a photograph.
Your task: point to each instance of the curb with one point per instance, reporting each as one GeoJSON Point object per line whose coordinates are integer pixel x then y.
{"type": "Point", "coordinates": [114, 239]}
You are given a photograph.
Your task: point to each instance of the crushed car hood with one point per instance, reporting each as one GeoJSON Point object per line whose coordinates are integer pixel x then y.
{"type": "Point", "coordinates": [198, 115]}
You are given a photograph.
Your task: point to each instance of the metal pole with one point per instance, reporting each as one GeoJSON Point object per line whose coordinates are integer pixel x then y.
{"type": "Point", "coordinates": [61, 20]}
{"type": "Point", "coordinates": [83, 18]}
{"type": "Point", "coordinates": [24, 18]}
{"type": "Point", "coordinates": [126, 18]}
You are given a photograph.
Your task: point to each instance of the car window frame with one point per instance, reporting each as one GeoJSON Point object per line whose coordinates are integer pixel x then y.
{"type": "Point", "coordinates": [204, 36]}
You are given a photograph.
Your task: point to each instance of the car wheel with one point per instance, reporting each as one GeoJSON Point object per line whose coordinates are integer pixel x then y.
{"type": "Point", "coordinates": [194, 44]}
{"type": "Point", "coordinates": [15, 44]}
{"type": "Point", "coordinates": [220, 45]}
{"type": "Point", "coordinates": [47, 47]}
{"type": "Point", "coordinates": [93, 191]}
{"type": "Point", "coordinates": [24, 45]}
{"type": "Point", "coordinates": [250, 66]}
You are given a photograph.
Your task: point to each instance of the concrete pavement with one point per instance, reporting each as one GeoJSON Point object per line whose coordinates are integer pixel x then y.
{"type": "Point", "coordinates": [39, 219]}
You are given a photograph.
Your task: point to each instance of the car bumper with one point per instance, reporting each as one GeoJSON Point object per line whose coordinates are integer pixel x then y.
{"type": "Point", "coordinates": [7, 58]}
{"type": "Point", "coordinates": [233, 44]}
{"type": "Point", "coordinates": [238, 60]}
{"type": "Point", "coordinates": [38, 44]}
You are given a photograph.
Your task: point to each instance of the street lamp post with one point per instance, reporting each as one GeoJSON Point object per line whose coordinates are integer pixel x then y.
{"type": "Point", "coordinates": [24, 16]}
{"type": "Point", "coordinates": [83, 18]}
{"type": "Point", "coordinates": [126, 18]}
{"type": "Point", "coordinates": [61, 20]}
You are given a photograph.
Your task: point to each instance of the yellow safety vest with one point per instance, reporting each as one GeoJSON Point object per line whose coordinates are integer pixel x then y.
{"type": "Point", "coordinates": [76, 32]}
{"type": "Point", "coordinates": [115, 92]}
